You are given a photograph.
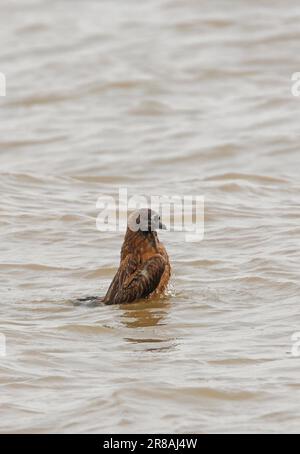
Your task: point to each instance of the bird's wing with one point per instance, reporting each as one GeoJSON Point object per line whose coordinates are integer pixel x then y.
{"type": "Point", "coordinates": [127, 268]}
{"type": "Point", "coordinates": [139, 284]}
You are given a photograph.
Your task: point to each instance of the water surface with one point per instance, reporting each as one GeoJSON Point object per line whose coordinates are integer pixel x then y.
{"type": "Point", "coordinates": [160, 97]}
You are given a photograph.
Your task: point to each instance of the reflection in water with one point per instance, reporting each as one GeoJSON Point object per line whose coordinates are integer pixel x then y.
{"type": "Point", "coordinates": [142, 318]}
{"type": "Point", "coordinates": [145, 313]}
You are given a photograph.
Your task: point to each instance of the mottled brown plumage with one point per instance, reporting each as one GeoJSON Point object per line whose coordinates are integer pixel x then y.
{"type": "Point", "coordinates": [145, 268]}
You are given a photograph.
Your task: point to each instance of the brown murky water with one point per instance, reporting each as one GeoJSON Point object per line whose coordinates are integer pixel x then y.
{"type": "Point", "coordinates": [160, 97]}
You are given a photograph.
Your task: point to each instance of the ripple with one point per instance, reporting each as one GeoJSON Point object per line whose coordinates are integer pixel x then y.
{"type": "Point", "coordinates": [260, 179]}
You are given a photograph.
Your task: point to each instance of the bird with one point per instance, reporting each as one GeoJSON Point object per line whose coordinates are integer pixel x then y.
{"type": "Point", "coordinates": [145, 269]}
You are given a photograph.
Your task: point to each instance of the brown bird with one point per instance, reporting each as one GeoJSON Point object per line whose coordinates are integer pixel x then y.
{"type": "Point", "coordinates": [145, 268]}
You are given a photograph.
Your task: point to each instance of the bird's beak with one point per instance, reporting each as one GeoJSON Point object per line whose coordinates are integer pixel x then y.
{"type": "Point", "coordinates": [162, 226]}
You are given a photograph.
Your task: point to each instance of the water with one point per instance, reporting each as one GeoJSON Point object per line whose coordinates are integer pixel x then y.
{"type": "Point", "coordinates": [159, 97]}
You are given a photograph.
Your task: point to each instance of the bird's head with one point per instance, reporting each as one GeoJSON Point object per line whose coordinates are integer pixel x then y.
{"type": "Point", "coordinates": [145, 220]}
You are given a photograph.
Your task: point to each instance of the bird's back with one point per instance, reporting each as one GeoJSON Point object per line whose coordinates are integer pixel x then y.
{"type": "Point", "coordinates": [144, 270]}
